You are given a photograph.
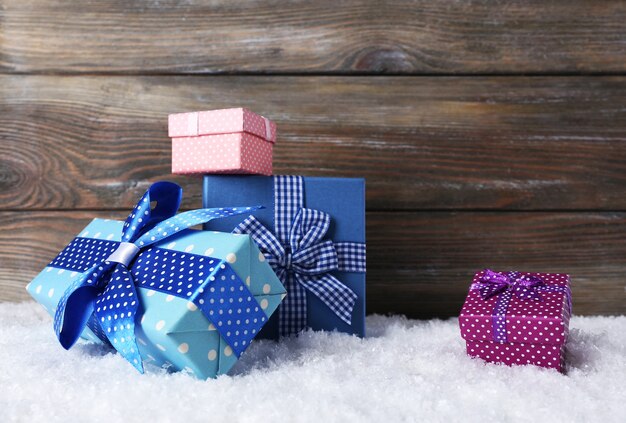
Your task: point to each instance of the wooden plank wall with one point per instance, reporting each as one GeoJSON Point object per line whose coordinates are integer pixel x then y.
{"type": "Point", "coordinates": [491, 134]}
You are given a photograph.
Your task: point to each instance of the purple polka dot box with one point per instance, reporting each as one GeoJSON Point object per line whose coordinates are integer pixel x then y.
{"type": "Point", "coordinates": [517, 318]}
{"type": "Point", "coordinates": [226, 141]}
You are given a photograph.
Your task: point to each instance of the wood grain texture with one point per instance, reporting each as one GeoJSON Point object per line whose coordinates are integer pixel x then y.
{"type": "Point", "coordinates": [419, 264]}
{"type": "Point", "coordinates": [269, 36]}
{"type": "Point", "coordinates": [422, 143]}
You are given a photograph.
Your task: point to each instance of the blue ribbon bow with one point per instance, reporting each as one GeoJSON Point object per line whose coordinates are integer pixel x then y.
{"type": "Point", "coordinates": [105, 294]}
{"type": "Point", "coordinates": [302, 259]}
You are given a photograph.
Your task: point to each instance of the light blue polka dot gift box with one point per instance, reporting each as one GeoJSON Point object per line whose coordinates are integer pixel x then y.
{"type": "Point", "coordinates": [159, 292]}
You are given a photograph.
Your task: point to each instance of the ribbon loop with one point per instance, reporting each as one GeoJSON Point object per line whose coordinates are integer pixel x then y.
{"type": "Point", "coordinates": [167, 196]}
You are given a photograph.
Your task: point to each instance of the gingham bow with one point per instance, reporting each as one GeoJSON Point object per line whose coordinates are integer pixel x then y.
{"type": "Point", "coordinates": [308, 259]}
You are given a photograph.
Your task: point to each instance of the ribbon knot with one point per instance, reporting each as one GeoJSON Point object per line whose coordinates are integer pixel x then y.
{"type": "Point", "coordinates": [285, 259]}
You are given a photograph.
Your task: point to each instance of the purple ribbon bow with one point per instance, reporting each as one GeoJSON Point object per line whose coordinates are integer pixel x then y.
{"type": "Point", "coordinates": [505, 285]}
{"type": "Point", "coordinates": [302, 258]}
{"type": "Point", "coordinates": [523, 286]}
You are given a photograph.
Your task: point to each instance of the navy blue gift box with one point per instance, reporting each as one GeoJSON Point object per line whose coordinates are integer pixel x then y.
{"type": "Point", "coordinates": [312, 232]}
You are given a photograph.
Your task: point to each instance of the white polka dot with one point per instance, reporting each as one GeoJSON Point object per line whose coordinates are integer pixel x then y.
{"type": "Point", "coordinates": [61, 271]}
{"type": "Point", "coordinates": [228, 351]}
{"type": "Point", "coordinates": [248, 281]}
{"type": "Point", "coordinates": [161, 347]}
{"type": "Point", "coordinates": [212, 355]}
{"type": "Point", "coordinates": [38, 289]}
{"type": "Point", "coordinates": [264, 303]}
{"type": "Point", "coordinates": [183, 348]}
{"type": "Point", "coordinates": [150, 293]}
{"type": "Point", "coordinates": [261, 257]}
{"type": "Point", "coordinates": [189, 248]}
{"type": "Point", "coordinates": [160, 324]}
{"type": "Point", "coordinates": [51, 292]}
{"type": "Point", "coordinates": [267, 288]}
{"type": "Point", "coordinates": [209, 251]}
{"type": "Point", "coordinates": [212, 327]}
{"type": "Point", "coordinates": [171, 245]}
{"type": "Point", "coordinates": [169, 298]}
{"type": "Point", "coordinates": [191, 306]}
{"type": "Point", "coordinates": [231, 257]}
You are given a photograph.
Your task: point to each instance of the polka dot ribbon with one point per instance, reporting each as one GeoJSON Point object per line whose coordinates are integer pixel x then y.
{"type": "Point", "coordinates": [505, 285]}
{"type": "Point", "coordinates": [302, 259]}
{"type": "Point", "coordinates": [104, 296]}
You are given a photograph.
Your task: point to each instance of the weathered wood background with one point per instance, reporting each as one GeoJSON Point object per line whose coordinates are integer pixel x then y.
{"type": "Point", "coordinates": [491, 134]}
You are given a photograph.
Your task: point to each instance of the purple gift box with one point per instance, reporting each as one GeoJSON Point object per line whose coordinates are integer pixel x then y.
{"type": "Point", "coordinates": [517, 318]}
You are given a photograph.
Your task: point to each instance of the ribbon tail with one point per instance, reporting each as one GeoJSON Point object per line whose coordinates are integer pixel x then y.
{"type": "Point", "coordinates": [337, 296]}
{"type": "Point", "coordinates": [115, 310]}
{"type": "Point", "coordinates": [73, 311]}
{"type": "Point", "coordinates": [292, 311]}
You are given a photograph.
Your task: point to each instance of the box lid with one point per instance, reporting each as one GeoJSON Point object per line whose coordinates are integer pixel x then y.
{"type": "Point", "coordinates": [222, 121]}
{"type": "Point", "coordinates": [544, 321]}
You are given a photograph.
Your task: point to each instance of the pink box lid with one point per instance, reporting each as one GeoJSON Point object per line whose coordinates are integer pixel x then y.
{"type": "Point", "coordinates": [527, 321]}
{"type": "Point", "coordinates": [223, 121]}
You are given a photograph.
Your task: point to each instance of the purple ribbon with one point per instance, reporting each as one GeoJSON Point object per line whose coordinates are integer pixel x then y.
{"type": "Point", "coordinates": [505, 285]}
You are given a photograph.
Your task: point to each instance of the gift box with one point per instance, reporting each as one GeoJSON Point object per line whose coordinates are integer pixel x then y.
{"type": "Point", "coordinates": [312, 232]}
{"type": "Point", "coordinates": [517, 318]}
{"type": "Point", "coordinates": [221, 141]}
{"type": "Point", "coordinates": [159, 293]}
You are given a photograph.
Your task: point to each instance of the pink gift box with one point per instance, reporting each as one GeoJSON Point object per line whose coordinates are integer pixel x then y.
{"type": "Point", "coordinates": [517, 318]}
{"type": "Point", "coordinates": [221, 141]}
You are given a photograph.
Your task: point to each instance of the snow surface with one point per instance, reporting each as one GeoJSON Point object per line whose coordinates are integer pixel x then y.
{"type": "Point", "coordinates": [406, 370]}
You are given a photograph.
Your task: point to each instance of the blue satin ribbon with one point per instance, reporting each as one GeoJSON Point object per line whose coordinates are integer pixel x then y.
{"type": "Point", "coordinates": [104, 296]}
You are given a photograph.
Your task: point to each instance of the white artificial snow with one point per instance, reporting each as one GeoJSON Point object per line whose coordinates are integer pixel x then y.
{"type": "Point", "coordinates": [406, 370]}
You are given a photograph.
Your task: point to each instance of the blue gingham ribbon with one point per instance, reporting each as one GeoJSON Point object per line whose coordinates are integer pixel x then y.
{"type": "Point", "coordinates": [301, 258]}
{"type": "Point", "coordinates": [104, 296]}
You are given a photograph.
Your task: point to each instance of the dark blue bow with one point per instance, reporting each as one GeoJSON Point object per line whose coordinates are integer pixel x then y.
{"type": "Point", "coordinates": [309, 258]}
{"type": "Point", "coordinates": [106, 292]}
